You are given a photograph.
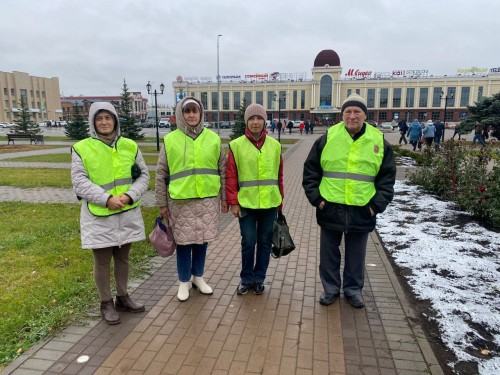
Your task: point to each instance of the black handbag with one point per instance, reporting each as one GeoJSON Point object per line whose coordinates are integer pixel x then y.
{"type": "Point", "coordinates": [282, 240]}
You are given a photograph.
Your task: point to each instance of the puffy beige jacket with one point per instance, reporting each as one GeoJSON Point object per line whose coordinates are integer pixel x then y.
{"type": "Point", "coordinates": [195, 221]}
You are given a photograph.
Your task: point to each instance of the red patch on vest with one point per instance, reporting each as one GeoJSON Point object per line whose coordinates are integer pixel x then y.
{"type": "Point", "coordinates": [375, 149]}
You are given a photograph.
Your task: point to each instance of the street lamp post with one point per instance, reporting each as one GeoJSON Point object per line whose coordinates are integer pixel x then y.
{"type": "Point", "coordinates": [279, 112]}
{"type": "Point", "coordinates": [451, 96]}
{"type": "Point", "coordinates": [162, 87]}
{"type": "Point", "coordinates": [218, 87]}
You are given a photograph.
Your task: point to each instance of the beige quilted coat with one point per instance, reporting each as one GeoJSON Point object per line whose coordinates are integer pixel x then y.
{"type": "Point", "coordinates": [195, 221]}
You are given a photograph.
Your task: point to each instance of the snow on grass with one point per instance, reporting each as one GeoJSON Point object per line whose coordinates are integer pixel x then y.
{"type": "Point", "coordinates": [455, 264]}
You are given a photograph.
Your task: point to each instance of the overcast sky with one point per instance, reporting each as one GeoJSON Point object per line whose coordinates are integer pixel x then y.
{"type": "Point", "coordinates": [93, 45]}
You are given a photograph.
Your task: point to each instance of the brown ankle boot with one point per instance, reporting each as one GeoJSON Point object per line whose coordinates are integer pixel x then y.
{"type": "Point", "coordinates": [109, 312]}
{"type": "Point", "coordinates": [124, 303]}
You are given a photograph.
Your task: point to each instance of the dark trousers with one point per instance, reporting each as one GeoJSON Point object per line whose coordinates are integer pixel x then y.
{"type": "Point", "coordinates": [354, 262]}
{"type": "Point", "coordinates": [256, 226]}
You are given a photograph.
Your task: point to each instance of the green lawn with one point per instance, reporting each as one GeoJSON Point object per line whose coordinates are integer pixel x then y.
{"type": "Point", "coordinates": [44, 177]}
{"type": "Point", "coordinates": [46, 278]}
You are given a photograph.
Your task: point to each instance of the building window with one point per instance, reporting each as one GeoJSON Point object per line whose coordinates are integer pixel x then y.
{"type": "Point", "coordinates": [462, 115]}
{"type": "Point", "coordinates": [270, 100]}
{"type": "Point", "coordinates": [382, 116]}
{"type": "Point", "coordinates": [6, 103]}
{"type": "Point", "coordinates": [435, 116]}
{"type": "Point", "coordinates": [465, 96]}
{"type": "Point", "coordinates": [5, 91]}
{"type": "Point", "coordinates": [12, 92]}
{"type": "Point", "coordinates": [422, 116]}
{"type": "Point", "coordinates": [396, 98]}
{"type": "Point", "coordinates": [479, 92]}
{"type": "Point", "coordinates": [410, 97]}
{"type": "Point", "coordinates": [349, 92]}
{"type": "Point", "coordinates": [236, 100]}
{"type": "Point", "coordinates": [358, 91]}
{"type": "Point", "coordinates": [302, 99]}
{"type": "Point", "coordinates": [248, 97]}
{"type": "Point", "coordinates": [325, 90]}
{"type": "Point", "coordinates": [370, 99]}
{"type": "Point", "coordinates": [449, 116]}
{"type": "Point", "coordinates": [384, 97]}
{"type": "Point", "coordinates": [282, 100]}
{"type": "Point", "coordinates": [225, 101]}
{"type": "Point", "coordinates": [225, 117]}
{"type": "Point", "coordinates": [451, 93]}
{"type": "Point", "coordinates": [215, 101]}
{"type": "Point", "coordinates": [204, 100]}
{"type": "Point", "coordinates": [259, 97]}
{"type": "Point", "coordinates": [424, 97]}
{"type": "Point", "coordinates": [294, 99]}
{"type": "Point", "coordinates": [436, 96]}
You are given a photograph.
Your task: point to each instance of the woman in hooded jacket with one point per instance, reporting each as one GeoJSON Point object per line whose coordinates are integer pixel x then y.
{"type": "Point", "coordinates": [190, 189]}
{"type": "Point", "coordinates": [109, 176]}
{"type": "Point", "coordinates": [414, 133]}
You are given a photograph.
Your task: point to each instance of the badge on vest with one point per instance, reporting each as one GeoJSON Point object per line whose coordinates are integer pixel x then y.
{"type": "Point", "coordinates": [376, 149]}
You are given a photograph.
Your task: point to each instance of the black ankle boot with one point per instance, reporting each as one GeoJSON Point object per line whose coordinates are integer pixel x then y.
{"type": "Point", "coordinates": [125, 303]}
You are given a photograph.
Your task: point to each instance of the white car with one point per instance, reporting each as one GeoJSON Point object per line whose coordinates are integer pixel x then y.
{"type": "Point", "coordinates": [5, 124]}
{"type": "Point", "coordinates": [386, 125]}
{"type": "Point", "coordinates": [296, 123]}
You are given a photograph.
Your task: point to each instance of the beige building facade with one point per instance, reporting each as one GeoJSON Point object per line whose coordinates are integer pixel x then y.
{"type": "Point", "coordinates": [390, 95]}
{"type": "Point", "coordinates": [42, 96]}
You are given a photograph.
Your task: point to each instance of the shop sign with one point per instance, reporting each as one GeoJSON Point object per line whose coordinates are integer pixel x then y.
{"type": "Point", "coordinates": [495, 70]}
{"type": "Point", "coordinates": [472, 70]}
{"type": "Point", "coordinates": [358, 73]}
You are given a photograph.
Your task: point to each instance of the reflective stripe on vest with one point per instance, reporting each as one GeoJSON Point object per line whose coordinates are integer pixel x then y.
{"type": "Point", "coordinates": [350, 167]}
{"type": "Point", "coordinates": [108, 167]}
{"type": "Point", "coordinates": [257, 172]}
{"type": "Point", "coordinates": [193, 164]}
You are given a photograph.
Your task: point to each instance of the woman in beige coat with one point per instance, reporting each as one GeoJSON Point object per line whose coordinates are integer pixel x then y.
{"type": "Point", "coordinates": [190, 189]}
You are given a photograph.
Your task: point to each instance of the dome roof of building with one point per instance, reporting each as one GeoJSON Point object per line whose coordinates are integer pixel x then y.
{"type": "Point", "coordinates": [327, 57]}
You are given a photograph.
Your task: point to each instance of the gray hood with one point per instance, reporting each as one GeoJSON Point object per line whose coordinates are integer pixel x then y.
{"type": "Point", "coordinates": [96, 107]}
{"type": "Point", "coordinates": [182, 124]}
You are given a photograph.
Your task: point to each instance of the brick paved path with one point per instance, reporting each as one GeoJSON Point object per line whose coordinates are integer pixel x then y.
{"type": "Point", "coordinates": [283, 331]}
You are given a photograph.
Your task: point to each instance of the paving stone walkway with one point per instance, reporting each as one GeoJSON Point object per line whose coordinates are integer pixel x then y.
{"type": "Point", "coordinates": [283, 331]}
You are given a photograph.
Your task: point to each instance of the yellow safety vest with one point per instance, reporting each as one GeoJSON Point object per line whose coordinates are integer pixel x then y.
{"type": "Point", "coordinates": [350, 167]}
{"type": "Point", "coordinates": [257, 172]}
{"type": "Point", "coordinates": [109, 167]}
{"type": "Point", "coordinates": [193, 164]}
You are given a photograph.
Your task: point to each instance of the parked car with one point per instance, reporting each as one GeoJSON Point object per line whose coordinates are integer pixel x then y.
{"type": "Point", "coordinates": [5, 124]}
{"type": "Point", "coordinates": [296, 123]}
{"type": "Point", "coordinates": [207, 125]}
{"type": "Point", "coordinates": [386, 125]}
{"type": "Point", "coordinates": [225, 124]}
{"type": "Point", "coordinates": [164, 124]}
{"type": "Point", "coordinates": [372, 123]}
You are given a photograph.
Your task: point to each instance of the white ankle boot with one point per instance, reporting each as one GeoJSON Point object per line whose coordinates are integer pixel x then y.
{"type": "Point", "coordinates": [183, 292]}
{"type": "Point", "coordinates": [202, 285]}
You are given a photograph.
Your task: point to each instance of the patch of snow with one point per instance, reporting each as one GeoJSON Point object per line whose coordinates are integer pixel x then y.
{"type": "Point", "coordinates": [454, 266]}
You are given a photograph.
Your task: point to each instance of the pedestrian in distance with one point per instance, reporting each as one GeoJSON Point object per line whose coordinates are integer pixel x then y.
{"type": "Point", "coordinates": [301, 127]}
{"type": "Point", "coordinates": [414, 133]}
{"type": "Point", "coordinates": [403, 129]}
{"type": "Point", "coordinates": [109, 176]}
{"type": "Point", "coordinates": [478, 134]}
{"type": "Point", "coordinates": [290, 126]}
{"type": "Point", "coordinates": [254, 189]}
{"type": "Point", "coordinates": [438, 134]}
{"type": "Point", "coordinates": [279, 125]}
{"type": "Point", "coordinates": [273, 125]}
{"type": "Point", "coordinates": [306, 126]}
{"type": "Point", "coordinates": [311, 126]}
{"type": "Point", "coordinates": [429, 133]}
{"type": "Point", "coordinates": [190, 189]}
{"type": "Point", "coordinates": [349, 177]}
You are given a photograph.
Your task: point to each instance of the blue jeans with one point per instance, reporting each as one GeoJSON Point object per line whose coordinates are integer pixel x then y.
{"type": "Point", "coordinates": [187, 266]}
{"type": "Point", "coordinates": [256, 227]}
{"type": "Point", "coordinates": [479, 138]}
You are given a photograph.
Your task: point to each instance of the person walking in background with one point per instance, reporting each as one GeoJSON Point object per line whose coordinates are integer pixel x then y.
{"type": "Point", "coordinates": [109, 176]}
{"type": "Point", "coordinates": [279, 125]}
{"type": "Point", "coordinates": [311, 126]}
{"type": "Point", "coordinates": [273, 125]}
{"type": "Point", "coordinates": [438, 134]}
{"type": "Point", "coordinates": [254, 186]}
{"type": "Point", "coordinates": [414, 133]}
{"type": "Point", "coordinates": [403, 128]}
{"type": "Point", "coordinates": [457, 131]}
{"type": "Point", "coordinates": [190, 188]}
{"type": "Point", "coordinates": [306, 126]}
{"type": "Point", "coordinates": [349, 177]}
{"type": "Point", "coordinates": [301, 127]}
{"type": "Point", "coordinates": [429, 133]}
{"type": "Point", "coordinates": [478, 134]}
{"type": "Point", "coordinates": [290, 126]}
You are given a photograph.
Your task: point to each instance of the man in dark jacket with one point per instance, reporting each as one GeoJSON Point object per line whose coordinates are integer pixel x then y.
{"type": "Point", "coordinates": [439, 134]}
{"type": "Point", "coordinates": [349, 177]}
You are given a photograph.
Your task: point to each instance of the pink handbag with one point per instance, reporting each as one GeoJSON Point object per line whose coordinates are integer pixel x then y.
{"type": "Point", "coordinates": [162, 237]}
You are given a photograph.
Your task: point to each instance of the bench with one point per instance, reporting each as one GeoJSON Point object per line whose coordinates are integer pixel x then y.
{"type": "Point", "coordinates": [38, 138]}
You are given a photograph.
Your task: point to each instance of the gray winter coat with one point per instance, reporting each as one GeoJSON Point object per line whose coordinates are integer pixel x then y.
{"type": "Point", "coordinates": [115, 230]}
{"type": "Point", "coordinates": [195, 221]}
